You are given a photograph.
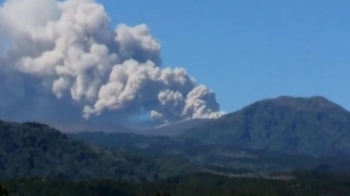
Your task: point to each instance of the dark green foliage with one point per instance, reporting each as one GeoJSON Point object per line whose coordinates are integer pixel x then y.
{"type": "Point", "coordinates": [203, 184]}
{"type": "Point", "coordinates": [33, 149]}
{"type": "Point", "coordinates": [3, 191]}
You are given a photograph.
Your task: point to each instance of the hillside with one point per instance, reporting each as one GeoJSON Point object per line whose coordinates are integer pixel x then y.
{"type": "Point", "coordinates": [33, 149]}
{"type": "Point", "coordinates": [216, 158]}
{"type": "Point", "coordinates": [308, 126]}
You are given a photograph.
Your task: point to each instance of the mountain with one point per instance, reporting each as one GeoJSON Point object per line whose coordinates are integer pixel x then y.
{"type": "Point", "coordinates": [33, 149]}
{"type": "Point", "coordinates": [301, 126]}
{"type": "Point", "coordinates": [279, 134]}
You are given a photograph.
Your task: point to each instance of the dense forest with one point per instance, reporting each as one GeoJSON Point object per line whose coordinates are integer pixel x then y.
{"type": "Point", "coordinates": [203, 184]}
{"type": "Point", "coordinates": [34, 149]}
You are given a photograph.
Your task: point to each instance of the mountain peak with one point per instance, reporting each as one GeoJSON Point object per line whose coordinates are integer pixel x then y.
{"type": "Point", "coordinates": [310, 126]}
{"type": "Point", "coordinates": [316, 98]}
{"type": "Point", "coordinates": [315, 103]}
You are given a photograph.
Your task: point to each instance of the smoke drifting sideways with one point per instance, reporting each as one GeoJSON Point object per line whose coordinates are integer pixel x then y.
{"type": "Point", "coordinates": [62, 57]}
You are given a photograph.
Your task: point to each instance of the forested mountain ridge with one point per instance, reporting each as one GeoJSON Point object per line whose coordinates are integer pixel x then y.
{"type": "Point", "coordinates": [33, 149]}
{"type": "Point", "coordinates": [310, 126]}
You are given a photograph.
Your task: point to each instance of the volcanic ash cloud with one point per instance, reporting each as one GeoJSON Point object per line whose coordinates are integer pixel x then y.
{"type": "Point", "coordinates": [70, 48]}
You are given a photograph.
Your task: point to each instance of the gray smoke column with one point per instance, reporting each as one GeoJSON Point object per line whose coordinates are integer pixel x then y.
{"type": "Point", "coordinates": [68, 48]}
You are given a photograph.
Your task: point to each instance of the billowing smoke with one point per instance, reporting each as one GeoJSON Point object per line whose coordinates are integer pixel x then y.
{"type": "Point", "coordinates": [68, 48]}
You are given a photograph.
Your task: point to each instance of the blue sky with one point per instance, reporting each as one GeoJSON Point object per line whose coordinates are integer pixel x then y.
{"type": "Point", "coordinates": [250, 50]}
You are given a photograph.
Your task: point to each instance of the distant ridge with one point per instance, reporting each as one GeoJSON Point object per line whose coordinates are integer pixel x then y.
{"type": "Point", "coordinates": [97, 127]}
{"type": "Point", "coordinates": [170, 129]}
{"type": "Point", "coordinates": [173, 129]}
{"type": "Point", "coordinates": [302, 103]}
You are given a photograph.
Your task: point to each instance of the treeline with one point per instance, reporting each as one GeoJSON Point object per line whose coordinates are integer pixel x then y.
{"type": "Point", "coordinates": [204, 184]}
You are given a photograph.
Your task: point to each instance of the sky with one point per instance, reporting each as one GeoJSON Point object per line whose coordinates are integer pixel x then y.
{"type": "Point", "coordinates": [250, 50]}
{"type": "Point", "coordinates": [243, 51]}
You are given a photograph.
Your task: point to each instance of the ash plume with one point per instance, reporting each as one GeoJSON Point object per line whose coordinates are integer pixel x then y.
{"type": "Point", "coordinates": [67, 48]}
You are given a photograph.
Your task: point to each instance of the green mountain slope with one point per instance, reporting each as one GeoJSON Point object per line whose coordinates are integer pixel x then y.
{"type": "Point", "coordinates": [308, 126]}
{"type": "Point", "coordinates": [216, 158]}
{"type": "Point", "coordinates": [33, 149]}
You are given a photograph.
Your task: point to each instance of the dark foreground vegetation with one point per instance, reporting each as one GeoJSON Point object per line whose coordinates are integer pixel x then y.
{"type": "Point", "coordinates": [203, 184]}
{"type": "Point", "coordinates": [34, 149]}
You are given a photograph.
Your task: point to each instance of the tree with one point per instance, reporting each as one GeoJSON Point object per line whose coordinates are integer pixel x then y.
{"type": "Point", "coordinates": [3, 191]}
